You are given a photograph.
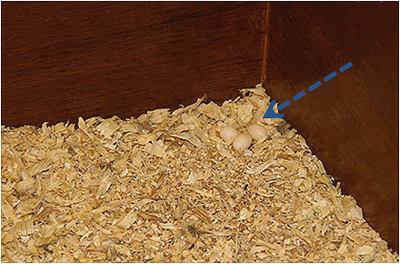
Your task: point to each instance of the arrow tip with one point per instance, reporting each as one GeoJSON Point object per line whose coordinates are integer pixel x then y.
{"type": "Point", "coordinates": [271, 113]}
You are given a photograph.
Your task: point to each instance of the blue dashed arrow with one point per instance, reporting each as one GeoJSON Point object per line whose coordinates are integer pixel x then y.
{"type": "Point", "coordinates": [270, 113]}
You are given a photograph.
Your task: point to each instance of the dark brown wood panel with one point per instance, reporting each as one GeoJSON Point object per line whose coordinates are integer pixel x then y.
{"type": "Point", "coordinates": [351, 122]}
{"type": "Point", "coordinates": [62, 60]}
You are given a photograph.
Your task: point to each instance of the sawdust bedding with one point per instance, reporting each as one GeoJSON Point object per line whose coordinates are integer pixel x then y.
{"type": "Point", "coordinates": [165, 187]}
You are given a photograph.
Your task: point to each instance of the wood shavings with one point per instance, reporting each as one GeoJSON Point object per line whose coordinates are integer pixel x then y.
{"type": "Point", "coordinates": [365, 250]}
{"type": "Point", "coordinates": [165, 187]}
{"type": "Point", "coordinates": [192, 177]}
{"type": "Point", "coordinates": [128, 220]}
{"type": "Point", "coordinates": [245, 214]}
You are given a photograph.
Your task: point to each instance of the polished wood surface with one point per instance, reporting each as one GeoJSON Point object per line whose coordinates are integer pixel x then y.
{"type": "Point", "coordinates": [351, 122]}
{"type": "Point", "coordinates": [62, 60]}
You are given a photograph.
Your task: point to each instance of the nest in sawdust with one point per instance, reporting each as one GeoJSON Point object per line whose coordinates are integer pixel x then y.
{"type": "Point", "coordinates": [166, 188]}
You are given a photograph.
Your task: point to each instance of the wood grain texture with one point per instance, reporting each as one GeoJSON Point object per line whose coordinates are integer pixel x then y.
{"type": "Point", "coordinates": [62, 60]}
{"type": "Point", "coordinates": [350, 122]}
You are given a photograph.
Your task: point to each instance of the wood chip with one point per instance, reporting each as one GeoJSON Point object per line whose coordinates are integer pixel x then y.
{"type": "Point", "coordinates": [165, 187]}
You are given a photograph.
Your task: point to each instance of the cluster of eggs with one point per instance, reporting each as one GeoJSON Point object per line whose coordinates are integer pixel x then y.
{"type": "Point", "coordinates": [242, 141]}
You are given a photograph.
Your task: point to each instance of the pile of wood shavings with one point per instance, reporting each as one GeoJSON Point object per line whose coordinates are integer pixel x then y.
{"type": "Point", "coordinates": [166, 188]}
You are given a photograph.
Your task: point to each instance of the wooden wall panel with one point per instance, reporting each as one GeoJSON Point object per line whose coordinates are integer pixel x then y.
{"type": "Point", "coordinates": [350, 122]}
{"type": "Point", "coordinates": [62, 60]}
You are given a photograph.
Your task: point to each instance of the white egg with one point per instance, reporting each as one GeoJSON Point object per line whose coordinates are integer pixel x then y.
{"type": "Point", "coordinates": [257, 131]}
{"type": "Point", "coordinates": [242, 142]}
{"type": "Point", "coordinates": [228, 133]}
